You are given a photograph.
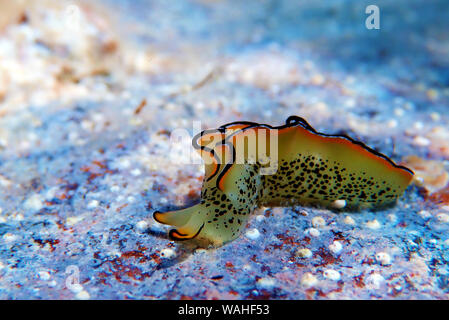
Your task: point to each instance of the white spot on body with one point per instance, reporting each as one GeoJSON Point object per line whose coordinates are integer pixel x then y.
{"type": "Point", "coordinates": [338, 204]}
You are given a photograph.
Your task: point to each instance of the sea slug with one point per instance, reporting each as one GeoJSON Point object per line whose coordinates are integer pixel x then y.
{"type": "Point", "coordinates": [248, 165]}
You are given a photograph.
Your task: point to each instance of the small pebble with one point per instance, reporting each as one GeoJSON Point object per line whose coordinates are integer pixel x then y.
{"type": "Point", "coordinates": [335, 247]}
{"type": "Point", "coordinates": [168, 253]}
{"type": "Point", "coordinates": [247, 267]}
{"type": "Point", "coordinates": [308, 280]}
{"type": "Point", "coordinates": [424, 214]}
{"type": "Point", "coordinates": [421, 141]}
{"type": "Point", "coordinates": [93, 204]}
{"type": "Point", "coordinates": [71, 221]}
{"type": "Point", "coordinates": [349, 220]}
{"type": "Point", "coordinates": [75, 288]}
{"type": "Point", "coordinates": [418, 125]}
{"type": "Point", "coordinates": [3, 181]}
{"type": "Point", "coordinates": [393, 123]}
{"type": "Point", "coordinates": [43, 275]}
{"type": "Point", "coordinates": [9, 237]}
{"type": "Point", "coordinates": [373, 224]}
{"type": "Point", "coordinates": [317, 79]}
{"type": "Point", "coordinates": [252, 234]}
{"type": "Point", "coordinates": [313, 232]}
{"type": "Point", "coordinates": [374, 281]}
{"type": "Point", "coordinates": [398, 287]}
{"type": "Point", "coordinates": [435, 116]}
{"type": "Point", "coordinates": [142, 225]}
{"type": "Point", "coordinates": [432, 94]}
{"type": "Point", "coordinates": [87, 125]}
{"type": "Point", "coordinates": [399, 112]}
{"type": "Point", "coordinates": [443, 271]}
{"type": "Point", "coordinates": [303, 213]}
{"type": "Point", "coordinates": [383, 258]}
{"type": "Point", "coordinates": [35, 202]}
{"type": "Point", "coordinates": [18, 217]}
{"type": "Point", "coordinates": [266, 282]}
{"type": "Point", "coordinates": [123, 163]}
{"type": "Point", "coordinates": [443, 217]}
{"type": "Point", "coordinates": [392, 217]}
{"type": "Point", "coordinates": [304, 253]}
{"type": "Point", "coordinates": [332, 274]}
{"type": "Point", "coordinates": [318, 221]}
{"type": "Point", "coordinates": [83, 295]}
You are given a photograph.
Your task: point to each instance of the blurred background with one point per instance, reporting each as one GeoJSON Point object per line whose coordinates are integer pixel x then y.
{"type": "Point", "coordinates": [91, 90]}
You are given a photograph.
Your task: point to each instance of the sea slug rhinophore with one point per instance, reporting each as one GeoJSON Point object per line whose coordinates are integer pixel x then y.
{"type": "Point", "coordinates": [248, 165]}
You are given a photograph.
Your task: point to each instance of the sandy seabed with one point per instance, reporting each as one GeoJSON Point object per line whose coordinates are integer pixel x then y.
{"type": "Point", "coordinates": [90, 93]}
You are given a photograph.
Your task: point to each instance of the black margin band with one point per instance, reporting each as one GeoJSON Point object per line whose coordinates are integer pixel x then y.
{"type": "Point", "coordinates": [291, 121]}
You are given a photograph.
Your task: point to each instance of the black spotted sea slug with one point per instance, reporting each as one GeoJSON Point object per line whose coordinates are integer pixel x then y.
{"type": "Point", "coordinates": [298, 165]}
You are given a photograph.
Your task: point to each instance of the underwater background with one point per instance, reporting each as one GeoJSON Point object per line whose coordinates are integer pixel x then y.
{"type": "Point", "coordinates": [90, 93]}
